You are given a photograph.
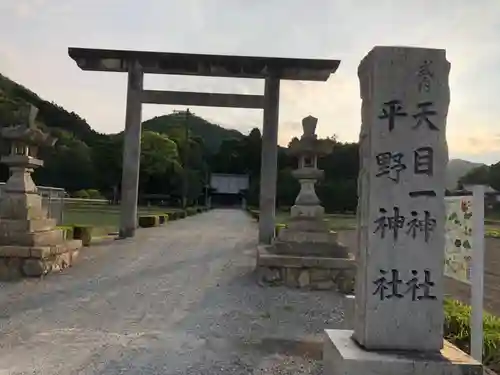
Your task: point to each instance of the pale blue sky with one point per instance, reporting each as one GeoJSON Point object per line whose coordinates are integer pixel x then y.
{"type": "Point", "coordinates": [35, 35]}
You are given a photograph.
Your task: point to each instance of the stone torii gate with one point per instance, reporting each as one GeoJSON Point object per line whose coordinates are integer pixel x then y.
{"type": "Point", "coordinates": [138, 63]}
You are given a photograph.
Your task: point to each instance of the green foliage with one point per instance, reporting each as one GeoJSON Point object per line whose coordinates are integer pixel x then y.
{"type": "Point", "coordinates": [158, 154]}
{"type": "Point", "coordinates": [84, 233]}
{"type": "Point", "coordinates": [457, 331]}
{"type": "Point", "coordinates": [67, 231]}
{"type": "Point", "coordinates": [173, 215]}
{"type": "Point", "coordinates": [173, 124]}
{"type": "Point", "coordinates": [190, 211]}
{"type": "Point", "coordinates": [148, 221]}
{"type": "Point", "coordinates": [82, 194]}
{"type": "Point", "coordinates": [94, 194]}
{"type": "Point", "coordinates": [163, 218]}
{"type": "Point", "coordinates": [477, 176]}
{"type": "Point", "coordinates": [492, 233]}
{"type": "Point", "coordinates": [254, 213]}
{"type": "Point", "coordinates": [278, 227]}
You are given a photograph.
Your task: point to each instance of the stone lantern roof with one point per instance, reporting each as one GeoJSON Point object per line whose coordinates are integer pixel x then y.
{"type": "Point", "coordinates": [27, 133]}
{"type": "Point", "coordinates": [309, 144]}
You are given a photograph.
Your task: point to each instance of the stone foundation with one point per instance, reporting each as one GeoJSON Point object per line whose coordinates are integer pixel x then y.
{"type": "Point", "coordinates": [343, 356]}
{"type": "Point", "coordinates": [17, 262]}
{"type": "Point", "coordinates": [316, 273]}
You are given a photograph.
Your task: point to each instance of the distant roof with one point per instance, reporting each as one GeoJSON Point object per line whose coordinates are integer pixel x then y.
{"type": "Point", "coordinates": [204, 65]}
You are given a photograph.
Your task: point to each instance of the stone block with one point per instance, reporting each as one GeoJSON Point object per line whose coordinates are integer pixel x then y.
{"type": "Point", "coordinates": [35, 267]}
{"type": "Point", "coordinates": [265, 258]}
{"type": "Point", "coordinates": [15, 251]}
{"type": "Point", "coordinates": [403, 157]}
{"type": "Point", "coordinates": [345, 281]}
{"type": "Point", "coordinates": [20, 206]}
{"type": "Point", "coordinates": [10, 269]}
{"type": "Point", "coordinates": [41, 252]}
{"type": "Point", "coordinates": [270, 275]}
{"type": "Point", "coordinates": [320, 275]}
{"type": "Point", "coordinates": [292, 277]}
{"type": "Point", "coordinates": [343, 356]}
{"type": "Point", "coordinates": [307, 211]}
{"type": "Point", "coordinates": [323, 285]}
{"type": "Point", "coordinates": [45, 238]}
{"type": "Point", "coordinates": [329, 250]}
{"type": "Point", "coordinates": [308, 225]}
{"type": "Point", "coordinates": [26, 225]}
{"type": "Point", "coordinates": [292, 236]}
{"type": "Point", "coordinates": [304, 279]}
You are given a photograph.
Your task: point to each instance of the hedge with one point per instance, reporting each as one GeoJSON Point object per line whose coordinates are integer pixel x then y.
{"type": "Point", "coordinates": [190, 211]}
{"type": "Point", "coordinates": [457, 331]}
{"type": "Point", "coordinates": [163, 218]}
{"type": "Point", "coordinates": [67, 231]}
{"type": "Point", "coordinates": [492, 233]}
{"type": "Point", "coordinates": [84, 233]}
{"type": "Point", "coordinates": [148, 221]}
{"type": "Point", "coordinates": [278, 227]}
{"type": "Point", "coordinates": [253, 213]}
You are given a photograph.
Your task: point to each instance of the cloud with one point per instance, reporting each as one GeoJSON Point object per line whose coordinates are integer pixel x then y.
{"type": "Point", "coordinates": [345, 30]}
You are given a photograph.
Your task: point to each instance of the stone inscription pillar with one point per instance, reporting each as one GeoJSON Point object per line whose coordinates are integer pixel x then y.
{"type": "Point", "coordinates": [403, 156]}
{"type": "Point", "coordinates": [269, 160]}
{"type": "Point", "coordinates": [131, 152]}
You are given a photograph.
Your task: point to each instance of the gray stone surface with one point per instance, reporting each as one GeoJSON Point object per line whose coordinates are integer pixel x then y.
{"type": "Point", "coordinates": [179, 299]}
{"type": "Point", "coordinates": [344, 357]}
{"type": "Point", "coordinates": [131, 151]}
{"type": "Point", "coordinates": [269, 157]}
{"type": "Point", "coordinates": [394, 245]}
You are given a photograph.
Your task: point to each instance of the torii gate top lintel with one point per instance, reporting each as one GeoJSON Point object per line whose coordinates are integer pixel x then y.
{"type": "Point", "coordinates": [138, 63]}
{"type": "Point", "coordinates": [204, 65]}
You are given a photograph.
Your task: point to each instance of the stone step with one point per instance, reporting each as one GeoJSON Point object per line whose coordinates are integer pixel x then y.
{"type": "Point", "coordinates": [329, 250]}
{"type": "Point", "coordinates": [23, 226]}
{"type": "Point", "coordinates": [39, 252]}
{"type": "Point", "coordinates": [44, 238]}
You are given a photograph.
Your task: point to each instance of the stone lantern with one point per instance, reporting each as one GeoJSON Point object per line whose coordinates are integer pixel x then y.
{"type": "Point", "coordinates": [307, 150]}
{"type": "Point", "coordinates": [30, 245]}
{"type": "Point", "coordinates": [23, 201]}
{"type": "Point", "coordinates": [306, 253]}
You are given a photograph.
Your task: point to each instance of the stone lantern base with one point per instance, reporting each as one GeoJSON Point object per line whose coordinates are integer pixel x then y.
{"type": "Point", "coordinates": [30, 243]}
{"type": "Point", "coordinates": [305, 272]}
{"type": "Point", "coordinates": [33, 248]}
{"type": "Point", "coordinates": [307, 254]}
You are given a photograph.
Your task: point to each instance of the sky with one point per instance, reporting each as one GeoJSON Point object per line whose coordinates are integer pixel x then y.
{"type": "Point", "coordinates": [35, 36]}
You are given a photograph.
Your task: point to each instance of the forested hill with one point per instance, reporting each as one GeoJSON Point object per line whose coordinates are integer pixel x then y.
{"type": "Point", "coordinates": [212, 134]}
{"type": "Point", "coordinates": [13, 95]}
{"type": "Point", "coordinates": [86, 159]}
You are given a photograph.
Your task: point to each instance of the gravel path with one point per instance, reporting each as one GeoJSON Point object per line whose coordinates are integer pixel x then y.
{"type": "Point", "coordinates": [180, 299]}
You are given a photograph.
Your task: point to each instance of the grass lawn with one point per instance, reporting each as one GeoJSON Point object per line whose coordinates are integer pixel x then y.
{"type": "Point", "coordinates": [105, 216]}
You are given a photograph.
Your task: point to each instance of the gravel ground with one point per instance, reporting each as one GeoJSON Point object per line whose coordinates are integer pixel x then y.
{"type": "Point", "coordinates": [181, 299]}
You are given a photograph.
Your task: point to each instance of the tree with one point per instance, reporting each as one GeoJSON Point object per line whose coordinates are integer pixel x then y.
{"type": "Point", "coordinates": [477, 176]}
{"type": "Point", "coordinates": [494, 176]}
{"type": "Point", "coordinates": [159, 156]}
{"type": "Point", "coordinates": [67, 165]}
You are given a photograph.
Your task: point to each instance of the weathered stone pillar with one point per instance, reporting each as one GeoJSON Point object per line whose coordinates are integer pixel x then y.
{"type": "Point", "coordinates": [269, 160]}
{"type": "Point", "coordinates": [398, 317]}
{"type": "Point", "coordinates": [131, 152]}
